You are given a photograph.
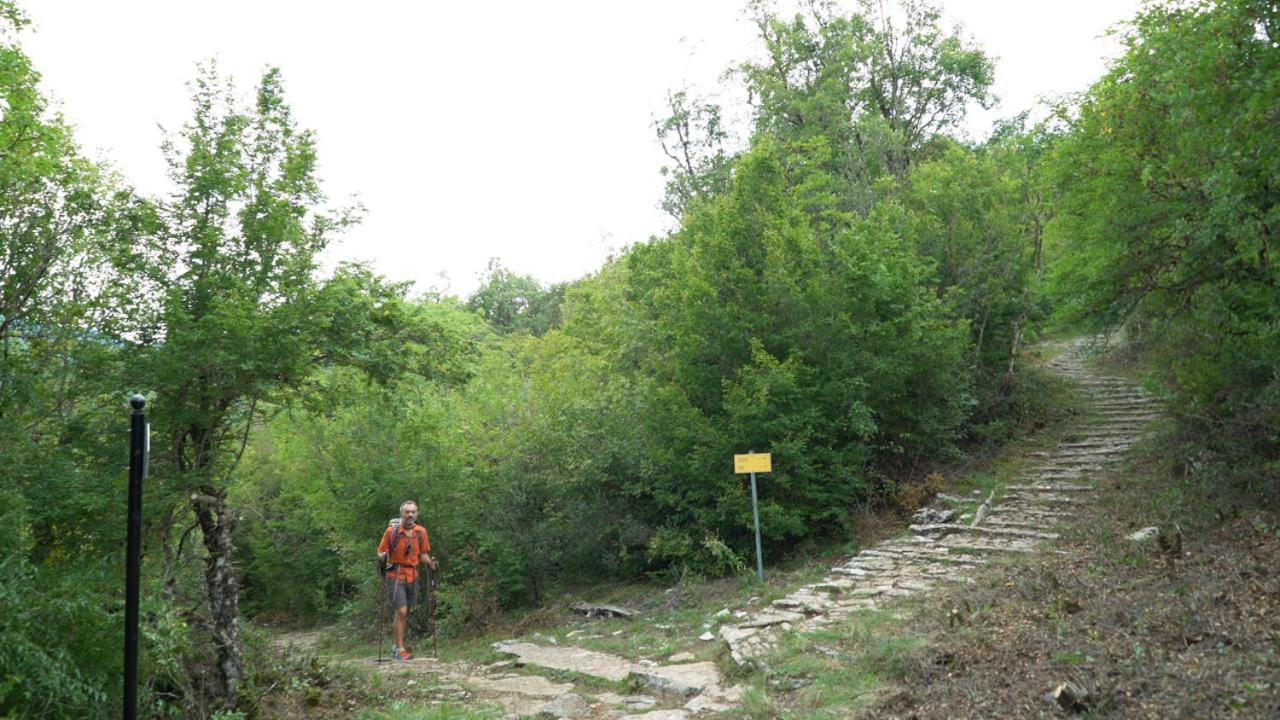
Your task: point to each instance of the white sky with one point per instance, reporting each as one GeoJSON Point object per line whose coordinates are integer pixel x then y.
{"type": "Point", "coordinates": [470, 130]}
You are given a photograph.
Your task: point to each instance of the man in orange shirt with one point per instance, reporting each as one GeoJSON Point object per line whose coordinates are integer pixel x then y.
{"type": "Point", "coordinates": [404, 546]}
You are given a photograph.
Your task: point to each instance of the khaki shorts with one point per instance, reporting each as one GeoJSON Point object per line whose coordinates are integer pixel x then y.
{"type": "Point", "coordinates": [401, 594]}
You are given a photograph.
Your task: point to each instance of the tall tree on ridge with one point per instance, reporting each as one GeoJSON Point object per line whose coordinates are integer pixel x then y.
{"type": "Point", "coordinates": [873, 87]}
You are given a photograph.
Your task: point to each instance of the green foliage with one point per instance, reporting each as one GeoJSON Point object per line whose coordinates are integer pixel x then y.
{"type": "Point", "coordinates": [873, 87]}
{"type": "Point", "coordinates": [777, 335]}
{"type": "Point", "coordinates": [41, 674]}
{"type": "Point", "coordinates": [979, 215]}
{"type": "Point", "coordinates": [58, 228]}
{"type": "Point", "coordinates": [594, 438]}
{"type": "Point", "coordinates": [693, 138]}
{"type": "Point", "coordinates": [849, 292]}
{"type": "Point", "coordinates": [1169, 216]}
{"type": "Point", "coordinates": [322, 477]}
{"type": "Point", "coordinates": [516, 303]}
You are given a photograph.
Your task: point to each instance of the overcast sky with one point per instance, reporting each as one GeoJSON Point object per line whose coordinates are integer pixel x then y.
{"type": "Point", "coordinates": [520, 130]}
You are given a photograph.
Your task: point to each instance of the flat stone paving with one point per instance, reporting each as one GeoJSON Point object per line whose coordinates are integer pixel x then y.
{"type": "Point", "coordinates": [573, 659]}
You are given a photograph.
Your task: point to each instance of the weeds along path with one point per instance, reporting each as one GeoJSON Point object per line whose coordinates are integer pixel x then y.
{"type": "Point", "coordinates": [948, 543]}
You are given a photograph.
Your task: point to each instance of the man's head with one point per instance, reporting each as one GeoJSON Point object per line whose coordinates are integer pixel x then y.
{"type": "Point", "coordinates": [408, 513]}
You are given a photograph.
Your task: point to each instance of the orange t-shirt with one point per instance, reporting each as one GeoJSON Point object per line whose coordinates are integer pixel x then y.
{"type": "Point", "coordinates": [409, 548]}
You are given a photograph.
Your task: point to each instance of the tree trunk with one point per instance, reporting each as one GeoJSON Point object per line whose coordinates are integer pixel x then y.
{"type": "Point", "coordinates": [216, 523]}
{"type": "Point", "coordinates": [1017, 342]}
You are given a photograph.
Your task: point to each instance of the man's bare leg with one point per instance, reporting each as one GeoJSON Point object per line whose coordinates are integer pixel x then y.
{"type": "Point", "coordinates": [397, 628]}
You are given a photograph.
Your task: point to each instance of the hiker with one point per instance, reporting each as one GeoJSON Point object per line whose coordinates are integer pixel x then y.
{"type": "Point", "coordinates": [403, 547]}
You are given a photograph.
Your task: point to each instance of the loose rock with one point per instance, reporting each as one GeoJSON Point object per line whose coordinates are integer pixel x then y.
{"type": "Point", "coordinates": [602, 610]}
{"type": "Point", "coordinates": [1146, 534]}
{"type": "Point", "coordinates": [932, 516]}
{"type": "Point", "coordinates": [1071, 697]}
{"type": "Point", "coordinates": [569, 705]}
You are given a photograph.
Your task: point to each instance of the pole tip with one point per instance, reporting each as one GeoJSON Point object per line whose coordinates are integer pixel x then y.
{"type": "Point", "coordinates": [138, 402]}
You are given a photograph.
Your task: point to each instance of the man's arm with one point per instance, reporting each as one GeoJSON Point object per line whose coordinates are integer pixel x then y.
{"type": "Point", "coordinates": [383, 544]}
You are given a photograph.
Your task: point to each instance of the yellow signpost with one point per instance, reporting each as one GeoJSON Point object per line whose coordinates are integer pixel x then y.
{"type": "Point", "coordinates": [754, 462]}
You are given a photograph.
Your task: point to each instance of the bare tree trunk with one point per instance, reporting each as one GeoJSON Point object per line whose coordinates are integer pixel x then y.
{"type": "Point", "coordinates": [216, 523]}
{"type": "Point", "coordinates": [982, 331]}
{"type": "Point", "coordinates": [1017, 341]}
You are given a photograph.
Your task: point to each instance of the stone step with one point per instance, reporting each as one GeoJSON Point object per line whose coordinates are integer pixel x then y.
{"type": "Point", "coordinates": [808, 603]}
{"type": "Point", "coordinates": [945, 529]}
{"type": "Point", "coordinates": [1037, 500]}
{"type": "Point", "coordinates": [1064, 466]}
{"type": "Point", "coordinates": [1100, 439]}
{"type": "Point", "coordinates": [1009, 511]}
{"type": "Point", "coordinates": [1059, 472]}
{"type": "Point", "coordinates": [1090, 446]}
{"type": "Point", "coordinates": [1051, 487]}
{"type": "Point", "coordinates": [1128, 438]}
{"type": "Point", "coordinates": [1070, 459]}
{"type": "Point", "coordinates": [1012, 497]}
{"type": "Point", "coordinates": [1117, 400]}
{"type": "Point", "coordinates": [1111, 405]}
{"type": "Point", "coordinates": [1104, 409]}
{"type": "Point", "coordinates": [767, 618]}
{"type": "Point", "coordinates": [938, 555]}
{"type": "Point", "coordinates": [1134, 415]}
{"type": "Point", "coordinates": [906, 551]}
{"type": "Point", "coordinates": [1076, 472]}
{"type": "Point", "coordinates": [1071, 452]}
{"type": "Point", "coordinates": [1032, 513]}
{"type": "Point", "coordinates": [1075, 453]}
{"type": "Point", "coordinates": [1065, 474]}
{"type": "Point", "coordinates": [1023, 524]}
{"type": "Point", "coordinates": [1028, 516]}
{"type": "Point", "coordinates": [979, 546]}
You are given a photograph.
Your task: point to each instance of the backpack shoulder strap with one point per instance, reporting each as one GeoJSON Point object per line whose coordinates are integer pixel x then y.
{"type": "Point", "coordinates": [395, 538]}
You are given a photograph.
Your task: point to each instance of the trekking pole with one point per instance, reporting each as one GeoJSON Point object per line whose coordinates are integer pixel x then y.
{"type": "Point", "coordinates": [382, 624]}
{"type": "Point", "coordinates": [382, 617]}
{"type": "Point", "coordinates": [432, 585]}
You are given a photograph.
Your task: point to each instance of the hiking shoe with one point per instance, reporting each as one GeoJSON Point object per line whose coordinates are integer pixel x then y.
{"type": "Point", "coordinates": [403, 656]}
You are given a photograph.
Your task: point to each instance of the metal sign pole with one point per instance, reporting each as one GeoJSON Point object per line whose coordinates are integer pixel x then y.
{"type": "Point", "coordinates": [138, 450]}
{"type": "Point", "coordinates": [755, 510]}
{"type": "Point", "coordinates": [752, 463]}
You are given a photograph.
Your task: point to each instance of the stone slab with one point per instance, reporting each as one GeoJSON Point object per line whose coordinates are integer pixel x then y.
{"type": "Point", "coordinates": [659, 715]}
{"type": "Point", "coordinates": [587, 662]}
{"type": "Point", "coordinates": [527, 685]}
{"type": "Point", "coordinates": [686, 679]}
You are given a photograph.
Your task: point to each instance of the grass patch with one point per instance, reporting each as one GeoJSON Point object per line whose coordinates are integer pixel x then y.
{"type": "Point", "coordinates": [838, 670]}
{"type": "Point", "coordinates": [411, 711]}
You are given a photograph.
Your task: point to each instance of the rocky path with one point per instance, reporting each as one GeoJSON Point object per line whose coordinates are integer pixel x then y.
{"type": "Point", "coordinates": [678, 690]}
{"type": "Point", "coordinates": [946, 545]}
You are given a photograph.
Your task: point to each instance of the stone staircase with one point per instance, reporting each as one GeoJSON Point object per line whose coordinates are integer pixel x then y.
{"type": "Point", "coordinates": [1023, 519]}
